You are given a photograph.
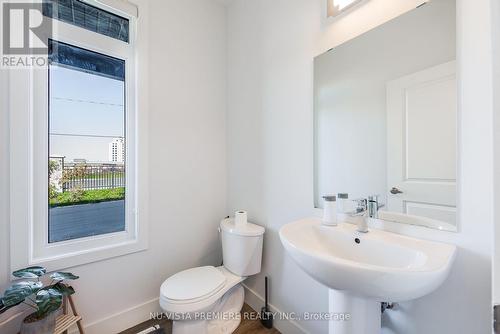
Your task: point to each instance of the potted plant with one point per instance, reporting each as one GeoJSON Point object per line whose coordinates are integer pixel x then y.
{"type": "Point", "coordinates": [45, 299]}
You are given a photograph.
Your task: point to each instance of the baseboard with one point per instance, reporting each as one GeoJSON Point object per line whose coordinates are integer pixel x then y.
{"type": "Point", "coordinates": [137, 314]}
{"type": "Point", "coordinates": [125, 319]}
{"type": "Point", "coordinates": [285, 326]}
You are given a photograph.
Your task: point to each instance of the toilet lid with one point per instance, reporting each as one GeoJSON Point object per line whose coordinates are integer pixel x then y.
{"type": "Point", "coordinates": [193, 283]}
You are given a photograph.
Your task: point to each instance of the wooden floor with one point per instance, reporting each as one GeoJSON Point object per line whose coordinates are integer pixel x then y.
{"type": "Point", "coordinates": [252, 326]}
{"type": "Point", "coordinates": [247, 326]}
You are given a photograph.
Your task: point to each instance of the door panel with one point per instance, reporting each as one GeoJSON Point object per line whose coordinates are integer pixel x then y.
{"type": "Point", "coordinates": [437, 212]}
{"type": "Point", "coordinates": [421, 137]}
{"type": "Point", "coordinates": [430, 130]}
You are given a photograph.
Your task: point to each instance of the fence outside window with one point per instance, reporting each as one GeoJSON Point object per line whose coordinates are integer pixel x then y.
{"type": "Point", "coordinates": [90, 176]}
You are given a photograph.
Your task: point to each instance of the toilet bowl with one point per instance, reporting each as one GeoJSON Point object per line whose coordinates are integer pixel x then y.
{"type": "Point", "coordinates": [208, 300]}
{"type": "Point", "coordinates": [212, 306]}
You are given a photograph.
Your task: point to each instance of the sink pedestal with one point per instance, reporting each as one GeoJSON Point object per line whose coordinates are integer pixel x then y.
{"type": "Point", "coordinates": [364, 315]}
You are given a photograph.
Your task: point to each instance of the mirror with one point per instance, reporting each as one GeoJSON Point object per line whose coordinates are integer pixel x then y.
{"type": "Point", "coordinates": [385, 117]}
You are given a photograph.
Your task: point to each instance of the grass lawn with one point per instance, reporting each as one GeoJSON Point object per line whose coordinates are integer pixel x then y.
{"type": "Point", "coordinates": [87, 196]}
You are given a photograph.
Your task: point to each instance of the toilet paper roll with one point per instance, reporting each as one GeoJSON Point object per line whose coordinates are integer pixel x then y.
{"type": "Point", "coordinates": [240, 218]}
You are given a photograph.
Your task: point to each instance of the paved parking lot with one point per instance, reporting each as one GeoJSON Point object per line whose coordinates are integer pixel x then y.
{"type": "Point", "coordinates": [78, 221]}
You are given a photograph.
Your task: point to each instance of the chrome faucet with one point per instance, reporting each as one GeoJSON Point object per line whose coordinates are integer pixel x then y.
{"type": "Point", "coordinates": [364, 209]}
{"type": "Point", "coordinates": [373, 206]}
{"type": "Point", "coordinates": [360, 212]}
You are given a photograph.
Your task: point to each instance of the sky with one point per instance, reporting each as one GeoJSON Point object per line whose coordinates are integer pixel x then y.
{"type": "Point", "coordinates": [86, 112]}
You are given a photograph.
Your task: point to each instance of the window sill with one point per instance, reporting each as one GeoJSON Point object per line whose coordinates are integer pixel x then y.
{"type": "Point", "coordinates": [87, 256]}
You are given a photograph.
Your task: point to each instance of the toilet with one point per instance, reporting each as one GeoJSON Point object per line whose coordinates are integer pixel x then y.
{"type": "Point", "coordinates": [208, 300]}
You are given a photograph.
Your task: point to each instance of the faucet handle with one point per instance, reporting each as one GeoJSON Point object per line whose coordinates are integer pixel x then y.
{"type": "Point", "coordinates": [361, 205]}
{"type": "Point", "coordinates": [360, 208]}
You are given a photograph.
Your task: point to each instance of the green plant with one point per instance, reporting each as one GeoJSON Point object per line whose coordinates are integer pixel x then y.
{"type": "Point", "coordinates": [77, 172]}
{"type": "Point", "coordinates": [44, 299]}
{"type": "Point", "coordinates": [53, 166]}
{"type": "Point", "coordinates": [89, 196]}
{"type": "Point", "coordinates": [52, 191]}
{"type": "Point", "coordinates": [76, 194]}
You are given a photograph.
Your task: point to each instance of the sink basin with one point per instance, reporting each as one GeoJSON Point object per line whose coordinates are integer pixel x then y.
{"type": "Point", "coordinates": [377, 265]}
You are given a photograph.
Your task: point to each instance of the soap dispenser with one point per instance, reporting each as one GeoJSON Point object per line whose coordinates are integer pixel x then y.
{"type": "Point", "coordinates": [330, 210]}
{"type": "Point", "coordinates": [342, 207]}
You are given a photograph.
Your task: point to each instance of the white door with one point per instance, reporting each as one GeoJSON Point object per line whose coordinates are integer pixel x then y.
{"type": "Point", "coordinates": [422, 144]}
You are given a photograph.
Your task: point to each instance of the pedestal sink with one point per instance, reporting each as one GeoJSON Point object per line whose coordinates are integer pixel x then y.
{"type": "Point", "coordinates": [364, 269]}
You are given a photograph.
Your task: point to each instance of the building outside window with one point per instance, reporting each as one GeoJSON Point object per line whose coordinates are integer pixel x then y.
{"type": "Point", "coordinates": [117, 150]}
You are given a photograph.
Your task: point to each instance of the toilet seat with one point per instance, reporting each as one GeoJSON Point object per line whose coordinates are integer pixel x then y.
{"type": "Point", "coordinates": [193, 284]}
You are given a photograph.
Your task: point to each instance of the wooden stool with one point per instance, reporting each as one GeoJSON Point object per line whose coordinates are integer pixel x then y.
{"type": "Point", "coordinates": [66, 320]}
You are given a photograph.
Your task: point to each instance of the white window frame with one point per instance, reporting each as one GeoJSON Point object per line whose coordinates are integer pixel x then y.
{"type": "Point", "coordinates": [28, 111]}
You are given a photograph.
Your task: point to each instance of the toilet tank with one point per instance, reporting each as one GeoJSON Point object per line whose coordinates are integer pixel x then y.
{"type": "Point", "coordinates": [241, 247]}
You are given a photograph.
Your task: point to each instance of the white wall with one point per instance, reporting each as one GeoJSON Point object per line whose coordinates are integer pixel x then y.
{"type": "Point", "coordinates": [271, 45]}
{"type": "Point", "coordinates": [270, 135]}
{"type": "Point", "coordinates": [350, 96]}
{"type": "Point", "coordinates": [4, 184]}
{"type": "Point", "coordinates": [496, 98]}
{"type": "Point", "coordinates": [187, 166]}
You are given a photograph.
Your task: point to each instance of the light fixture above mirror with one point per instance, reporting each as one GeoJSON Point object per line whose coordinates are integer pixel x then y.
{"type": "Point", "coordinates": [335, 7]}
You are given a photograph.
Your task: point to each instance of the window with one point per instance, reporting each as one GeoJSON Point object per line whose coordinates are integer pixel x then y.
{"type": "Point", "coordinates": [75, 170]}
{"type": "Point", "coordinates": [83, 15]}
{"type": "Point", "coordinates": [86, 117]}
